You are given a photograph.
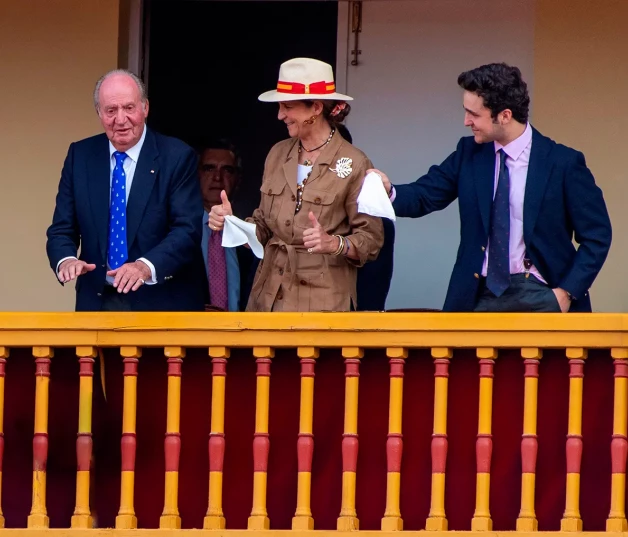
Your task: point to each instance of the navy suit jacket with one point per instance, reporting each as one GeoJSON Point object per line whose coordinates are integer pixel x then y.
{"type": "Point", "coordinates": [164, 219]}
{"type": "Point", "coordinates": [562, 202]}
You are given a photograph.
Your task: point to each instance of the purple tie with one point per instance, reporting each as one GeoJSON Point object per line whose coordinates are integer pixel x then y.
{"type": "Point", "coordinates": [217, 263]}
{"type": "Point", "coordinates": [498, 274]}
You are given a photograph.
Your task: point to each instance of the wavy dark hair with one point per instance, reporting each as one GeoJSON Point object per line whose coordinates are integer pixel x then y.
{"type": "Point", "coordinates": [328, 107]}
{"type": "Point", "coordinates": [502, 88]}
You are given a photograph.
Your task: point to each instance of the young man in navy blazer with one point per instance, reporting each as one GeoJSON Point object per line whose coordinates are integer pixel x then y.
{"type": "Point", "coordinates": [130, 200]}
{"type": "Point", "coordinates": [523, 198]}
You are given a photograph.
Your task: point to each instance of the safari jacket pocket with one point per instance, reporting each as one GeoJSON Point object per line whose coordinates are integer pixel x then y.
{"type": "Point", "coordinates": [317, 201]}
{"type": "Point", "coordinates": [272, 198]}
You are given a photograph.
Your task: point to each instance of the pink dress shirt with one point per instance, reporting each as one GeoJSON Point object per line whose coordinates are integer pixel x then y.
{"type": "Point", "coordinates": [517, 161]}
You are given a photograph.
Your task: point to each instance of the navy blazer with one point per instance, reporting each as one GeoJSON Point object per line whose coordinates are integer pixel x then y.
{"type": "Point", "coordinates": [164, 219]}
{"type": "Point", "coordinates": [562, 202]}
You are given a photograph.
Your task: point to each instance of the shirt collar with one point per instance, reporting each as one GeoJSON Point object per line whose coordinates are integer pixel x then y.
{"type": "Point", "coordinates": [134, 152]}
{"type": "Point", "coordinates": [517, 146]}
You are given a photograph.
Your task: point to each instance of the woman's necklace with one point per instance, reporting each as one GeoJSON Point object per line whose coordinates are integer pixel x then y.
{"type": "Point", "coordinates": [308, 162]}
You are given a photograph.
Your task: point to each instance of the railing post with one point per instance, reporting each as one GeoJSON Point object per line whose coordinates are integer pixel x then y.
{"type": "Point", "coordinates": [484, 446]}
{"type": "Point", "coordinates": [616, 521]}
{"type": "Point", "coordinates": [170, 518]}
{"type": "Point", "coordinates": [305, 444]}
{"type": "Point", "coordinates": [4, 354]}
{"type": "Point", "coordinates": [527, 520]}
{"type": "Point", "coordinates": [261, 443]}
{"type": "Point", "coordinates": [392, 520]}
{"type": "Point", "coordinates": [571, 518]}
{"type": "Point", "coordinates": [348, 519]}
{"type": "Point", "coordinates": [214, 519]}
{"type": "Point", "coordinates": [126, 519]}
{"type": "Point", "coordinates": [82, 517]}
{"type": "Point", "coordinates": [39, 516]}
{"type": "Point", "coordinates": [437, 520]}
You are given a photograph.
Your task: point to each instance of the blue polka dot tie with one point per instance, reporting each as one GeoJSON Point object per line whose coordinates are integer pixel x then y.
{"type": "Point", "coordinates": [498, 274]}
{"type": "Point", "coordinates": [118, 252]}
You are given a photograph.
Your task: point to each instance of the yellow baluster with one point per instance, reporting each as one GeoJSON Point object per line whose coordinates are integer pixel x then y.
{"type": "Point", "coordinates": [348, 519]}
{"type": "Point", "coordinates": [39, 516]}
{"type": "Point", "coordinates": [484, 446]}
{"type": "Point", "coordinates": [4, 354]}
{"type": "Point", "coordinates": [437, 520]}
{"type": "Point", "coordinates": [302, 519]}
{"type": "Point", "coordinates": [170, 518]}
{"type": "Point", "coordinates": [126, 519]}
{"type": "Point", "coordinates": [529, 444]}
{"type": "Point", "coordinates": [261, 444]}
{"type": "Point", "coordinates": [214, 519]}
{"type": "Point", "coordinates": [571, 518]}
{"type": "Point", "coordinates": [616, 521]}
{"type": "Point", "coordinates": [392, 520]}
{"type": "Point", "coordinates": [82, 517]}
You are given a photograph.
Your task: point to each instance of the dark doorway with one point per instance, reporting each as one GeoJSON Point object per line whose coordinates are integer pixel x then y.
{"type": "Point", "coordinates": [209, 60]}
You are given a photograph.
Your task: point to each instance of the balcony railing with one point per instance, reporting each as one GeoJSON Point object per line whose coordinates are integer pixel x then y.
{"type": "Point", "coordinates": [314, 421]}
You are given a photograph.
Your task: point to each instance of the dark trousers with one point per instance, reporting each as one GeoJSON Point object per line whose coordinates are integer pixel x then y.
{"type": "Point", "coordinates": [523, 295]}
{"type": "Point", "coordinates": [114, 301]}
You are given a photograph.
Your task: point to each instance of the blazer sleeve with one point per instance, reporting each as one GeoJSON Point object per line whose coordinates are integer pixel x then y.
{"type": "Point", "coordinates": [367, 232]}
{"type": "Point", "coordinates": [185, 213]}
{"type": "Point", "coordinates": [63, 237]}
{"type": "Point", "coordinates": [432, 192]}
{"type": "Point", "coordinates": [592, 227]}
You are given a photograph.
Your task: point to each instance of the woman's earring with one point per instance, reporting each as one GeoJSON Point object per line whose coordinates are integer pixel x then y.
{"type": "Point", "coordinates": [311, 120]}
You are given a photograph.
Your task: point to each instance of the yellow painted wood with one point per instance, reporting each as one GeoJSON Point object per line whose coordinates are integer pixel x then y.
{"type": "Point", "coordinates": [82, 518]}
{"type": "Point", "coordinates": [618, 496]}
{"type": "Point", "coordinates": [395, 405]}
{"type": "Point", "coordinates": [527, 520]}
{"type": "Point", "coordinates": [351, 405]}
{"type": "Point", "coordinates": [437, 520]}
{"type": "Point", "coordinates": [126, 518]}
{"type": "Point", "coordinates": [400, 353]}
{"type": "Point", "coordinates": [620, 411]}
{"type": "Point", "coordinates": [170, 518]}
{"type": "Point", "coordinates": [348, 519]}
{"type": "Point", "coordinates": [302, 519]}
{"type": "Point", "coordinates": [262, 404]}
{"type": "Point", "coordinates": [482, 517]}
{"type": "Point", "coordinates": [259, 517]}
{"type": "Point", "coordinates": [393, 488]}
{"type": "Point", "coordinates": [38, 517]}
{"type": "Point", "coordinates": [4, 354]}
{"type": "Point", "coordinates": [214, 518]}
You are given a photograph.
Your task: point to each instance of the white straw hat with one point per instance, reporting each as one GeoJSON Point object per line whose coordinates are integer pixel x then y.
{"type": "Point", "coordinates": [304, 78]}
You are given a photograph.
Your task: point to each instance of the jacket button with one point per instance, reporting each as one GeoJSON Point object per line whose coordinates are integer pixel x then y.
{"type": "Point", "coordinates": [303, 282]}
{"type": "Point", "coordinates": [103, 266]}
{"type": "Point", "coordinates": [279, 295]}
{"type": "Point", "coordinates": [476, 276]}
{"type": "Point", "coordinates": [283, 248]}
{"type": "Point", "coordinates": [287, 222]}
{"type": "Point", "coordinates": [483, 248]}
{"type": "Point", "coordinates": [293, 198]}
{"type": "Point", "coordinates": [280, 272]}
{"type": "Point", "coordinates": [317, 201]}
{"type": "Point", "coordinates": [98, 294]}
{"type": "Point", "coordinates": [270, 190]}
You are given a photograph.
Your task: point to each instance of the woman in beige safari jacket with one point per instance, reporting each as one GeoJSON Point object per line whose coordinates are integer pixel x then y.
{"type": "Point", "coordinates": [308, 220]}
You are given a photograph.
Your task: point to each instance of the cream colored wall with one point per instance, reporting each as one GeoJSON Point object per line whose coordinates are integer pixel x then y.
{"type": "Point", "coordinates": [51, 53]}
{"type": "Point", "coordinates": [581, 100]}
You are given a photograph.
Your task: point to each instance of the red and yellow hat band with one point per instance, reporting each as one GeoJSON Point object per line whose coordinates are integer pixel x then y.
{"type": "Point", "coordinates": [296, 88]}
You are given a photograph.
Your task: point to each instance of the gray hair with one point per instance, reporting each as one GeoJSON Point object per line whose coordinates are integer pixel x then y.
{"type": "Point", "coordinates": [140, 85]}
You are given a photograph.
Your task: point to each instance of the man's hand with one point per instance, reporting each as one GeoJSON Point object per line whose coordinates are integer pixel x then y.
{"type": "Point", "coordinates": [71, 269]}
{"type": "Point", "coordinates": [316, 240]}
{"type": "Point", "coordinates": [563, 299]}
{"type": "Point", "coordinates": [384, 178]}
{"type": "Point", "coordinates": [130, 276]}
{"type": "Point", "coordinates": [218, 213]}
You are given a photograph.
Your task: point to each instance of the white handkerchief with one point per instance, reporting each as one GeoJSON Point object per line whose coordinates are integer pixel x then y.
{"type": "Point", "coordinates": [373, 198]}
{"type": "Point", "coordinates": [238, 232]}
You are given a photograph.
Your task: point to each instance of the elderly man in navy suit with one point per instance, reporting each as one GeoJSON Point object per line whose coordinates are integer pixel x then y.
{"type": "Point", "coordinates": [523, 198]}
{"type": "Point", "coordinates": [130, 200]}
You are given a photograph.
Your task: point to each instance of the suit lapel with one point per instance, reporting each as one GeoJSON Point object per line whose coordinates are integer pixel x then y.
{"type": "Point", "coordinates": [146, 171]}
{"type": "Point", "coordinates": [290, 167]}
{"type": "Point", "coordinates": [326, 158]}
{"type": "Point", "coordinates": [484, 169]}
{"type": "Point", "coordinates": [539, 170]}
{"type": "Point", "coordinates": [98, 181]}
